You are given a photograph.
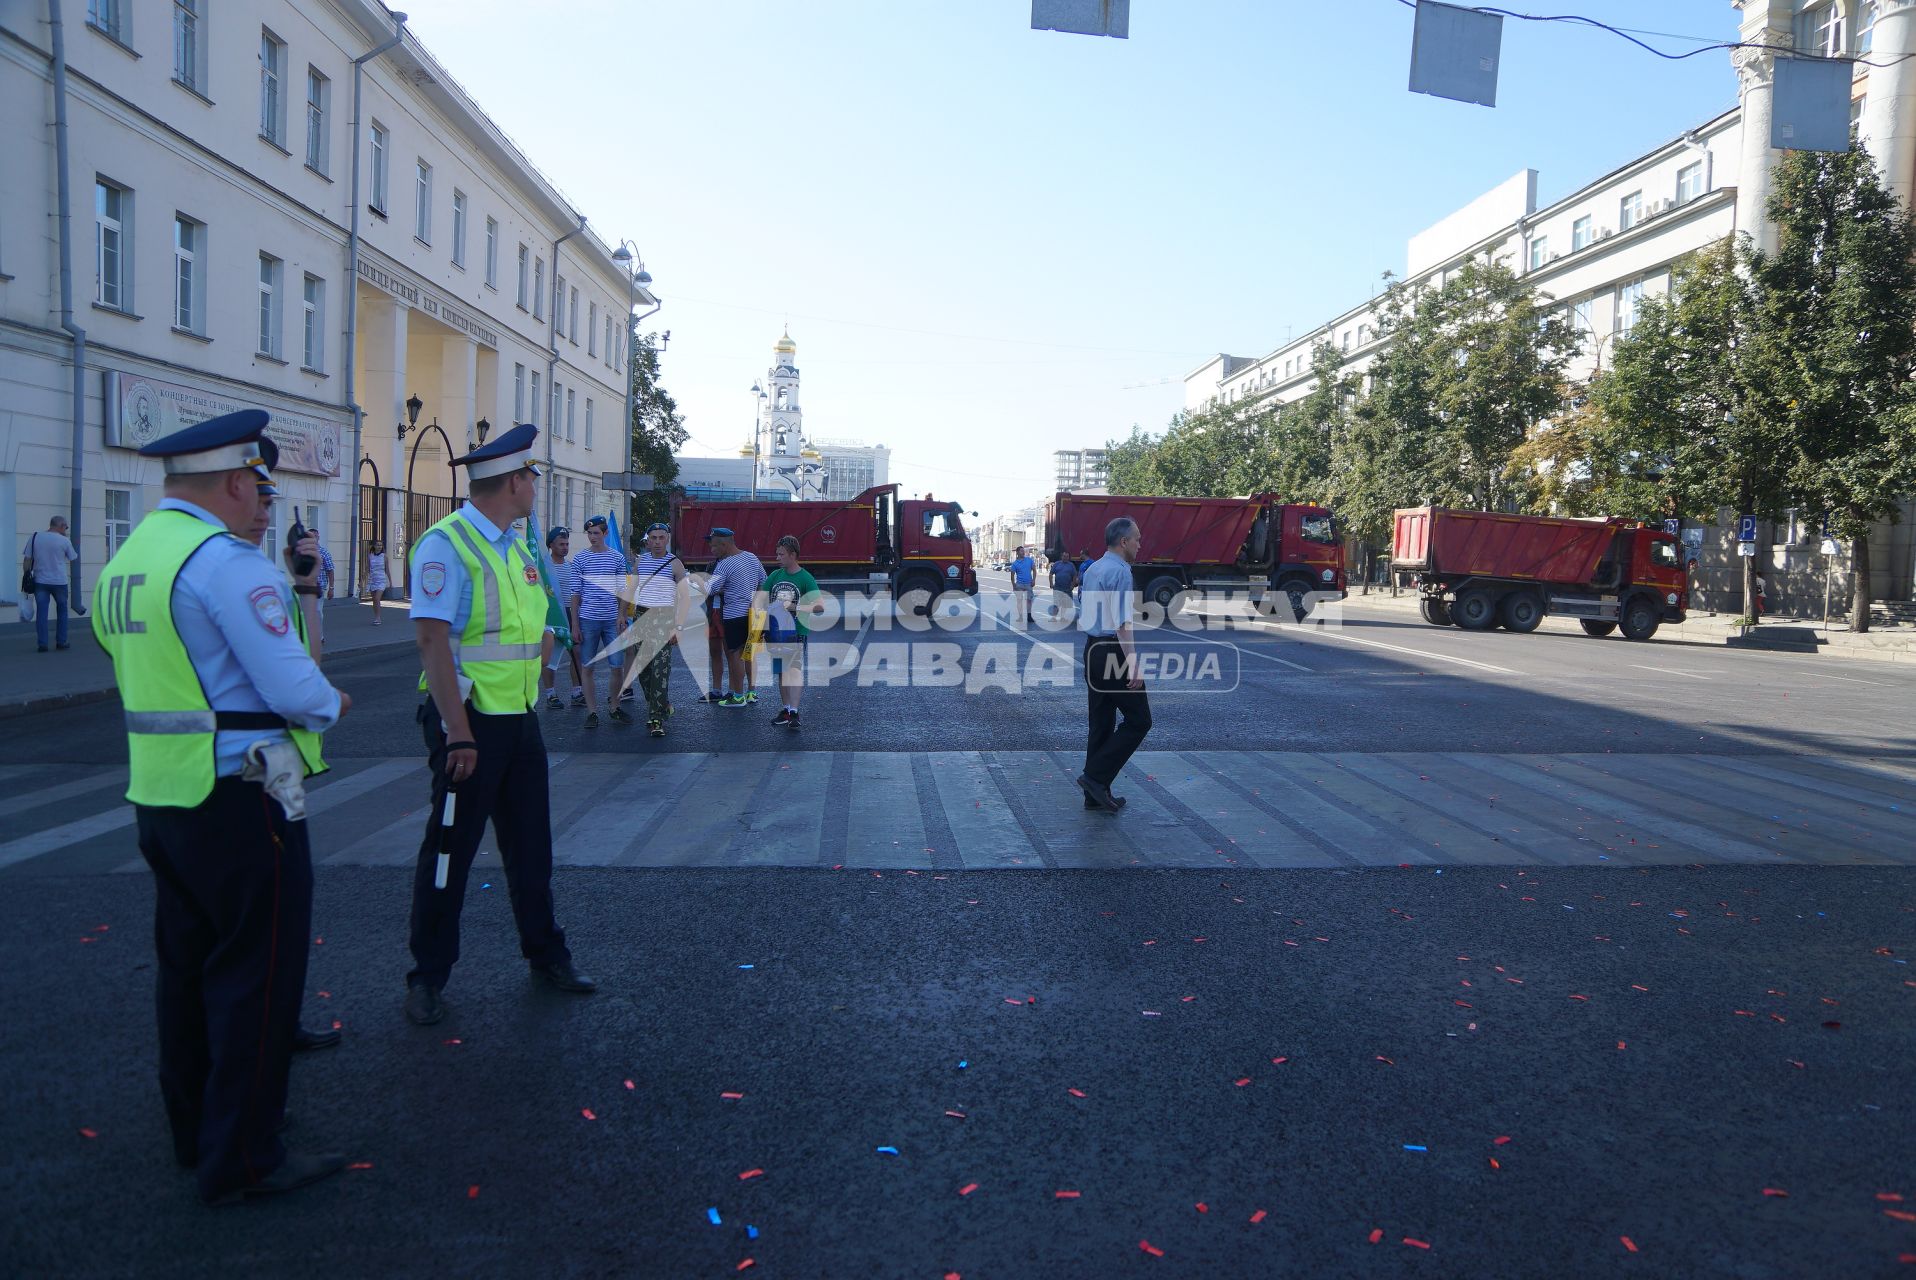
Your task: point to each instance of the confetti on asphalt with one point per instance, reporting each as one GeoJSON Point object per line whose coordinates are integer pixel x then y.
{"type": "Point", "coordinates": [1150, 1248]}
{"type": "Point", "coordinates": [751, 1173]}
{"type": "Point", "coordinates": [1201, 1207]}
{"type": "Point", "coordinates": [1775, 1191]}
{"type": "Point", "coordinates": [1065, 1195]}
{"type": "Point", "coordinates": [1411, 1146]}
{"type": "Point", "coordinates": [956, 1115]}
{"type": "Point", "coordinates": [712, 1216]}
{"type": "Point", "coordinates": [963, 1063]}
{"type": "Point", "coordinates": [630, 1085]}
{"type": "Point", "coordinates": [1257, 1217]}
{"type": "Point", "coordinates": [731, 1097]}
{"type": "Point", "coordinates": [1376, 1234]}
{"type": "Point", "coordinates": [360, 1164]}
{"type": "Point", "coordinates": [472, 1192]}
{"type": "Point", "coordinates": [587, 1113]}
{"type": "Point", "coordinates": [1416, 1243]}
{"type": "Point", "coordinates": [1628, 1243]}
{"type": "Point", "coordinates": [749, 1262]}
{"type": "Point", "coordinates": [967, 1189]}
{"type": "Point", "coordinates": [1076, 1093]}
{"type": "Point", "coordinates": [888, 1151]}
{"type": "Point", "coordinates": [89, 1133]}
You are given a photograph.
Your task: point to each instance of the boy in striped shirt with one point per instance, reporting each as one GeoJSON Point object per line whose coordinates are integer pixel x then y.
{"type": "Point", "coordinates": [598, 611]}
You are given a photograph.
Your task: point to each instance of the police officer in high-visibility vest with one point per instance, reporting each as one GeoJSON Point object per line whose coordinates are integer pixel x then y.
{"type": "Point", "coordinates": [480, 614]}
{"type": "Point", "coordinates": [223, 708]}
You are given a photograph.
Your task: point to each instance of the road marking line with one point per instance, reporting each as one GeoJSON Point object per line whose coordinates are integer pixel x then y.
{"type": "Point", "coordinates": [1850, 679]}
{"type": "Point", "coordinates": [1072, 658]}
{"type": "Point", "coordinates": [1422, 653]}
{"type": "Point", "coordinates": [1671, 671]}
{"type": "Point", "coordinates": [1268, 657]}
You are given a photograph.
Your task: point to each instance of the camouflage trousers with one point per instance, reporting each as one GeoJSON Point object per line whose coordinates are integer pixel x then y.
{"type": "Point", "coordinates": [655, 677]}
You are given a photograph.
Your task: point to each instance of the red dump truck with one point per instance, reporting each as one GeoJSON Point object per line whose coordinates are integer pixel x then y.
{"type": "Point", "coordinates": [873, 540]}
{"type": "Point", "coordinates": [1482, 569]}
{"type": "Point", "coordinates": [1209, 544]}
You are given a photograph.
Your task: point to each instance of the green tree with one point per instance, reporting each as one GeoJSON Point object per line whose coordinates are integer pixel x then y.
{"type": "Point", "coordinates": [1693, 394]}
{"type": "Point", "coordinates": [1296, 463]}
{"type": "Point", "coordinates": [1838, 299]}
{"type": "Point", "coordinates": [1130, 464]}
{"type": "Point", "coordinates": [658, 432]}
{"type": "Point", "coordinates": [1580, 463]}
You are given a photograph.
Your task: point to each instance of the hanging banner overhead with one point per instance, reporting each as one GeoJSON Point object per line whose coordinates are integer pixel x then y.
{"type": "Point", "coordinates": [1454, 53]}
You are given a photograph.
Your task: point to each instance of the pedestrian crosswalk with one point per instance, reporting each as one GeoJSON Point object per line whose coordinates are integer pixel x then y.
{"type": "Point", "coordinates": [949, 810]}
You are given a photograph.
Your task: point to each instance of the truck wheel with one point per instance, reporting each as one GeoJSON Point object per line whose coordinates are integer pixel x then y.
{"type": "Point", "coordinates": [1298, 595]}
{"type": "Point", "coordinates": [1435, 611]}
{"type": "Point", "coordinates": [1475, 610]}
{"type": "Point", "coordinates": [1596, 626]}
{"type": "Point", "coordinates": [1162, 591]}
{"type": "Point", "coordinates": [916, 594]}
{"type": "Point", "coordinates": [1521, 611]}
{"type": "Point", "coordinates": [1639, 619]}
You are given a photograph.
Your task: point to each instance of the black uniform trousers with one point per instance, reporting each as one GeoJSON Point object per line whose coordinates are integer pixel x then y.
{"type": "Point", "coordinates": [234, 906]}
{"type": "Point", "coordinates": [509, 788]}
{"type": "Point", "coordinates": [1110, 743]}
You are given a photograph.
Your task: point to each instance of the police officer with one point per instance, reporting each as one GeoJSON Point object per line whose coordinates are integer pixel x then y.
{"type": "Point", "coordinates": [480, 615]}
{"type": "Point", "coordinates": [223, 714]}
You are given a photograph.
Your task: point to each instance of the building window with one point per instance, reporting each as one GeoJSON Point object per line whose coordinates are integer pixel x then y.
{"type": "Point", "coordinates": [318, 97]}
{"type": "Point", "coordinates": [272, 88]}
{"type": "Point", "coordinates": [189, 284]}
{"type": "Point", "coordinates": [458, 228]}
{"type": "Point", "coordinates": [1539, 251]}
{"type": "Point", "coordinates": [572, 318]}
{"type": "Point", "coordinates": [492, 252]}
{"type": "Point", "coordinates": [592, 328]}
{"type": "Point", "coordinates": [269, 278]}
{"type": "Point", "coordinates": [1819, 30]}
{"type": "Point", "coordinates": [313, 333]}
{"type": "Point", "coordinates": [1866, 27]}
{"type": "Point", "coordinates": [111, 206]}
{"type": "Point", "coordinates": [422, 201]}
{"type": "Point", "coordinates": [1689, 182]}
{"type": "Point", "coordinates": [118, 520]}
{"type": "Point", "coordinates": [558, 307]}
{"type": "Point", "coordinates": [538, 288]}
{"type": "Point", "coordinates": [1363, 334]}
{"type": "Point", "coordinates": [609, 357]}
{"type": "Point", "coordinates": [1629, 211]}
{"type": "Point", "coordinates": [381, 146]}
{"type": "Point", "coordinates": [533, 403]}
{"type": "Point", "coordinates": [588, 422]}
{"type": "Point", "coordinates": [1583, 316]}
{"type": "Point", "coordinates": [525, 268]}
{"type": "Point", "coordinates": [1629, 298]}
{"type": "Point", "coordinates": [108, 18]}
{"type": "Point", "coordinates": [1856, 106]}
{"type": "Point", "coordinates": [571, 403]}
{"type": "Point", "coordinates": [1346, 346]}
{"type": "Point", "coordinates": [557, 420]}
{"type": "Point", "coordinates": [518, 393]}
{"type": "Point", "coordinates": [187, 53]}
{"type": "Point", "coordinates": [1580, 233]}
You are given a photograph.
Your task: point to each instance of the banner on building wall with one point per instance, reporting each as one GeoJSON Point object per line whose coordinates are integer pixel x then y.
{"type": "Point", "coordinates": [140, 410]}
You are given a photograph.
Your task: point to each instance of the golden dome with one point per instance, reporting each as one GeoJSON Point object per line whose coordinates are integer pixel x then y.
{"type": "Point", "coordinates": [785, 343]}
{"type": "Point", "coordinates": [747, 450]}
{"type": "Point", "coordinates": [810, 453]}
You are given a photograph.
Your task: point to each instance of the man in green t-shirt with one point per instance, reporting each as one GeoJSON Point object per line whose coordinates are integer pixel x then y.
{"type": "Point", "coordinates": [788, 596]}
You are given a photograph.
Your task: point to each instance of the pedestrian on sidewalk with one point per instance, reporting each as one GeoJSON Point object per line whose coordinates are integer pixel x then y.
{"type": "Point", "coordinates": [598, 613]}
{"type": "Point", "coordinates": [1024, 573]}
{"type": "Point", "coordinates": [45, 559]}
{"type": "Point", "coordinates": [376, 582]}
{"type": "Point", "coordinates": [656, 608]}
{"type": "Point", "coordinates": [736, 578]}
{"type": "Point", "coordinates": [224, 707]}
{"type": "Point", "coordinates": [477, 581]}
{"type": "Point", "coordinates": [789, 596]}
{"type": "Point", "coordinates": [1114, 683]}
{"type": "Point", "coordinates": [562, 669]}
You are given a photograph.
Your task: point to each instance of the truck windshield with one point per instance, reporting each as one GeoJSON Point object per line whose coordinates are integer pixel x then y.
{"type": "Point", "coordinates": [1317, 528]}
{"type": "Point", "coordinates": [1663, 554]}
{"type": "Point", "coordinates": [943, 524]}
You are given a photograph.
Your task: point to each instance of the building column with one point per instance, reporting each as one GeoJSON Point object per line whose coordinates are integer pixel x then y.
{"type": "Point", "coordinates": [1889, 113]}
{"type": "Point", "coordinates": [457, 396]}
{"type": "Point", "coordinates": [1764, 22]}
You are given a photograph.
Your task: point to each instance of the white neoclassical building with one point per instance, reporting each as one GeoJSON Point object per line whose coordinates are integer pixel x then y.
{"type": "Point", "coordinates": [193, 219]}
{"type": "Point", "coordinates": [1604, 247]}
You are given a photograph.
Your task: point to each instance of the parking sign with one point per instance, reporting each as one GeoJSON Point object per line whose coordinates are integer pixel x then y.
{"type": "Point", "coordinates": [1746, 528]}
{"type": "Point", "coordinates": [1673, 527]}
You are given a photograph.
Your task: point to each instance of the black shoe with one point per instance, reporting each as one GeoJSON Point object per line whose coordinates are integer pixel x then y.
{"type": "Point", "coordinates": [591, 719]}
{"type": "Point", "coordinates": [43, 648]}
{"type": "Point", "coordinates": [189, 1158]}
{"type": "Point", "coordinates": [423, 1005]}
{"type": "Point", "coordinates": [1089, 803]}
{"type": "Point", "coordinates": [621, 716]}
{"type": "Point", "coordinates": [563, 976]}
{"type": "Point", "coordinates": [63, 646]}
{"type": "Point", "coordinates": [305, 1041]}
{"type": "Point", "coordinates": [1099, 794]}
{"type": "Point", "coordinates": [785, 716]}
{"type": "Point", "coordinates": [713, 696]}
{"type": "Point", "coordinates": [296, 1171]}
{"type": "Point", "coordinates": [793, 722]}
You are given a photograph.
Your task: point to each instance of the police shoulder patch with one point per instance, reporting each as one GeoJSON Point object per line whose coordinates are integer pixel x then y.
{"type": "Point", "coordinates": [432, 577]}
{"type": "Point", "coordinates": [270, 608]}
{"type": "Point", "coordinates": [532, 576]}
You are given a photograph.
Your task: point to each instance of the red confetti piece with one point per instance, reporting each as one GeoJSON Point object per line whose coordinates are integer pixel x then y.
{"type": "Point", "coordinates": [102, 928]}
{"type": "Point", "coordinates": [630, 1085]}
{"type": "Point", "coordinates": [1743, 1013]}
{"type": "Point", "coordinates": [454, 1040]}
{"type": "Point", "coordinates": [1386, 1061]}
{"type": "Point", "coordinates": [360, 1164]}
{"type": "Point", "coordinates": [1241, 1083]}
{"type": "Point", "coordinates": [1635, 987]}
{"type": "Point", "coordinates": [956, 1115]}
{"type": "Point", "coordinates": [324, 995]}
{"type": "Point", "coordinates": [89, 1133]}
{"type": "Point", "coordinates": [1628, 1243]}
{"type": "Point", "coordinates": [731, 1097]}
{"type": "Point", "coordinates": [1577, 997]}
{"type": "Point", "coordinates": [86, 937]}
{"type": "Point", "coordinates": [1201, 1207]}
{"type": "Point", "coordinates": [1494, 1164]}
{"type": "Point", "coordinates": [1076, 1093]}
{"type": "Point", "coordinates": [953, 1275]}
{"type": "Point", "coordinates": [751, 1173]}
{"type": "Point", "coordinates": [1376, 1234]}
{"type": "Point", "coordinates": [1065, 1195]}
{"type": "Point", "coordinates": [749, 1262]}
{"type": "Point", "coordinates": [337, 1024]}
{"type": "Point", "coordinates": [1416, 1243]}
{"type": "Point", "coordinates": [1775, 1191]}
{"type": "Point", "coordinates": [1890, 1196]}
{"type": "Point", "coordinates": [1500, 1141]}
{"type": "Point", "coordinates": [587, 1113]}
{"type": "Point", "coordinates": [1832, 1026]}
{"type": "Point", "coordinates": [1794, 1063]}
{"type": "Point", "coordinates": [1901, 1215]}
{"type": "Point", "coordinates": [1150, 1248]}
{"type": "Point", "coordinates": [1278, 1062]}
{"type": "Point", "coordinates": [967, 1189]}
{"type": "Point", "coordinates": [1013, 1000]}
{"type": "Point", "coordinates": [472, 1192]}
{"type": "Point", "coordinates": [1621, 1045]}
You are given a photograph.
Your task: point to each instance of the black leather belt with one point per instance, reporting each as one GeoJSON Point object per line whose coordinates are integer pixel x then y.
{"type": "Point", "coordinates": [248, 720]}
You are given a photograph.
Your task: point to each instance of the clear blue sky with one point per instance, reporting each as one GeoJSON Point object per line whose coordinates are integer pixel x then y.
{"type": "Point", "coordinates": [993, 242]}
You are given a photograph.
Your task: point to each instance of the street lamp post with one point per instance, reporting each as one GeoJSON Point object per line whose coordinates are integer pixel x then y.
{"type": "Point", "coordinates": [758, 427]}
{"type": "Point", "coordinates": [627, 256]}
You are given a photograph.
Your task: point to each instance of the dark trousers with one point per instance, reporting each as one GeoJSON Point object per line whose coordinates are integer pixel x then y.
{"type": "Point", "coordinates": [233, 910]}
{"type": "Point", "coordinates": [45, 598]}
{"type": "Point", "coordinates": [1111, 742]}
{"type": "Point", "coordinates": [509, 788]}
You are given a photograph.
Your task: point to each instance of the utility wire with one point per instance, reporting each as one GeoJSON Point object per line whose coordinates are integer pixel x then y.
{"type": "Point", "coordinates": [1624, 34]}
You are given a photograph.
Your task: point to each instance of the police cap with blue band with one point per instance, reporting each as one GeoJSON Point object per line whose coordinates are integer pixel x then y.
{"type": "Point", "coordinates": [230, 442]}
{"type": "Point", "coordinates": [509, 453]}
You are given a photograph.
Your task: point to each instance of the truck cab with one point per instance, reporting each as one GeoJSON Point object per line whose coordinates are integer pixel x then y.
{"type": "Point", "coordinates": [1309, 550]}
{"type": "Point", "coordinates": [933, 552]}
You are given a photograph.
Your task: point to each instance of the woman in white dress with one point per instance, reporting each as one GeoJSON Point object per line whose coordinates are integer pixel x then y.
{"type": "Point", "coordinates": [376, 574]}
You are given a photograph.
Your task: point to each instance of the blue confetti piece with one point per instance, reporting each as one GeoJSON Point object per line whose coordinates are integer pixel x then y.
{"type": "Point", "coordinates": [1412, 1147]}
{"type": "Point", "coordinates": [751, 1232]}
{"type": "Point", "coordinates": [486, 885]}
{"type": "Point", "coordinates": [712, 1216]}
{"type": "Point", "coordinates": [963, 1063]}
{"type": "Point", "coordinates": [888, 1151]}
{"type": "Point", "coordinates": [745, 966]}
